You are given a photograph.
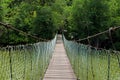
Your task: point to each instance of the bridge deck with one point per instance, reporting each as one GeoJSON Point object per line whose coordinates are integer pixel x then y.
{"type": "Point", "coordinates": [59, 67]}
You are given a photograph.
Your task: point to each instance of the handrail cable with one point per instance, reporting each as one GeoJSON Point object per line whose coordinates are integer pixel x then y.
{"type": "Point", "coordinates": [20, 31]}
{"type": "Point", "coordinates": [92, 36]}
{"type": "Point", "coordinates": [107, 31]}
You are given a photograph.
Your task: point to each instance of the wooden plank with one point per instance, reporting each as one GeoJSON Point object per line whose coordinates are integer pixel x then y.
{"type": "Point", "coordinates": [59, 67]}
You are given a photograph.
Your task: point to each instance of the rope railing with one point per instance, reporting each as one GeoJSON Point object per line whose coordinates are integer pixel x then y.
{"type": "Point", "coordinates": [25, 62]}
{"type": "Point", "coordinates": [20, 31]}
{"type": "Point", "coordinates": [92, 36]}
{"type": "Point", "coordinates": [90, 63]}
{"type": "Point", "coordinates": [88, 55]}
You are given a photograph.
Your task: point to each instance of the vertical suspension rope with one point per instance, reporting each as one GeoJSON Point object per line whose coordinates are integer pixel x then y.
{"type": "Point", "coordinates": [24, 65]}
{"type": "Point", "coordinates": [108, 77]}
{"type": "Point", "coordinates": [108, 52]}
{"type": "Point", "coordinates": [88, 32]}
{"type": "Point", "coordinates": [10, 56]}
{"type": "Point", "coordinates": [87, 64]}
{"type": "Point", "coordinates": [31, 66]}
{"type": "Point", "coordinates": [74, 59]}
{"type": "Point", "coordinates": [91, 59]}
{"type": "Point", "coordinates": [78, 64]}
{"type": "Point", "coordinates": [110, 36]}
{"type": "Point", "coordinates": [10, 61]}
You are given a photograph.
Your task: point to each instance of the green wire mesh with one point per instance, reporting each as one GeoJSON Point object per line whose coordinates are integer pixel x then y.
{"type": "Point", "coordinates": [25, 62]}
{"type": "Point", "coordinates": [92, 64]}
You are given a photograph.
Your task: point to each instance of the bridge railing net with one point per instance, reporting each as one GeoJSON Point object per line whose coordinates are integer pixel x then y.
{"type": "Point", "coordinates": [25, 62]}
{"type": "Point", "coordinates": [92, 64]}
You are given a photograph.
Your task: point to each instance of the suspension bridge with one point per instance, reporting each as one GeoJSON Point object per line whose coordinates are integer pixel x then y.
{"type": "Point", "coordinates": [58, 59]}
{"type": "Point", "coordinates": [60, 67]}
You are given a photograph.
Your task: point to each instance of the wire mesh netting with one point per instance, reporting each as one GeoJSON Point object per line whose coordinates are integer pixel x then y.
{"type": "Point", "coordinates": [25, 62]}
{"type": "Point", "coordinates": [92, 64]}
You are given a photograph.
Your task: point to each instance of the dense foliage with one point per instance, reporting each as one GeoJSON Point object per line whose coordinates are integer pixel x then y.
{"type": "Point", "coordinates": [88, 17]}
{"type": "Point", "coordinates": [43, 18]}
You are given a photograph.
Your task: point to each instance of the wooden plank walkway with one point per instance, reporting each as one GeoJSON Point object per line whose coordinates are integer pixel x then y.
{"type": "Point", "coordinates": [59, 67]}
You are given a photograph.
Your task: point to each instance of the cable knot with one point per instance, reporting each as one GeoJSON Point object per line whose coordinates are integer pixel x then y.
{"type": "Point", "coordinates": [112, 29]}
{"type": "Point", "coordinates": [88, 37]}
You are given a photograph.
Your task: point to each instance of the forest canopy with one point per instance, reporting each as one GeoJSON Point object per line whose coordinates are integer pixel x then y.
{"type": "Point", "coordinates": [43, 18]}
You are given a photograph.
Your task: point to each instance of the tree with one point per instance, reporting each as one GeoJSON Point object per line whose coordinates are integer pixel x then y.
{"type": "Point", "coordinates": [115, 21]}
{"type": "Point", "coordinates": [1, 11]}
{"type": "Point", "coordinates": [89, 17]}
{"type": "Point", "coordinates": [78, 19]}
{"type": "Point", "coordinates": [43, 23]}
{"type": "Point", "coordinates": [58, 13]}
